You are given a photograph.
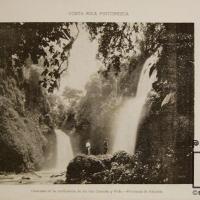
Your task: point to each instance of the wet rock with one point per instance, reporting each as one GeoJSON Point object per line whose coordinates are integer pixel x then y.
{"type": "Point", "coordinates": [56, 175]}
{"type": "Point", "coordinates": [59, 181]}
{"type": "Point", "coordinates": [82, 167]}
{"type": "Point", "coordinates": [25, 178]}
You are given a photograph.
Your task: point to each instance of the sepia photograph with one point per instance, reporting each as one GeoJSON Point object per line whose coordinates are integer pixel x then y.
{"type": "Point", "coordinates": [96, 103]}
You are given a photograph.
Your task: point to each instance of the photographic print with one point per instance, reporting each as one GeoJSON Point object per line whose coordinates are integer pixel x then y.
{"type": "Point", "coordinates": [96, 103]}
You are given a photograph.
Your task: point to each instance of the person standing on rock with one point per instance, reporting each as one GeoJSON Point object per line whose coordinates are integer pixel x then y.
{"type": "Point", "coordinates": [105, 146]}
{"type": "Point", "coordinates": [88, 147]}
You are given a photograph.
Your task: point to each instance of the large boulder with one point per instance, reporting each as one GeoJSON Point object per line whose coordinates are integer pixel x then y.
{"type": "Point", "coordinates": [83, 166]}
{"type": "Point", "coordinates": [101, 169]}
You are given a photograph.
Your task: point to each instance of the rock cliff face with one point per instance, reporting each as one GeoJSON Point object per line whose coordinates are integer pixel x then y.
{"type": "Point", "coordinates": [26, 132]}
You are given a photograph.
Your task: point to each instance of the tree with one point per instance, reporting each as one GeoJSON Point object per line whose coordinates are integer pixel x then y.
{"type": "Point", "coordinates": [119, 42]}
{"type": "Point", "coordinates": [115, 42]}
{"type": "Point", "coordinates": [71, 94]}
{"type": "Point", "coordinates": [50, 42]}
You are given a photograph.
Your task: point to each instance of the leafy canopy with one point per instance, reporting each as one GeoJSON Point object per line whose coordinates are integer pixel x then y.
{"type": "Point", "coordinates": [50, 42]}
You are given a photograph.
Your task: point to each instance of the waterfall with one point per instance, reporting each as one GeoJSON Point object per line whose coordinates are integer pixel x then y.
{"type": "Point", "coordinates": [129, 114]}
{"type": "Point", "coordinates": [64, 150]}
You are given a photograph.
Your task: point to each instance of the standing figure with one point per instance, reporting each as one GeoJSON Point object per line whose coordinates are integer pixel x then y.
{"type": "Point", "coordinates": [105, 146]}
{"type": "Point", "coordinates": [88, 146]}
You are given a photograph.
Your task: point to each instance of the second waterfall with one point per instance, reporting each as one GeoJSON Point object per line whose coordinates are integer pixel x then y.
{"type": "Point", "coordinates": [128, 117]}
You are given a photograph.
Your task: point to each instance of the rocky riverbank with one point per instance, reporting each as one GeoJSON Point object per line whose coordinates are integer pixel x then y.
{"type": "Point", "coordinates": [39, 177]}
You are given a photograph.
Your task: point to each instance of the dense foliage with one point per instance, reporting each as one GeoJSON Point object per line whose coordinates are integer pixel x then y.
{"type": "Point", "coordinates": [20, 41]}
{"type": "Point", "coordinates": [27, 138]}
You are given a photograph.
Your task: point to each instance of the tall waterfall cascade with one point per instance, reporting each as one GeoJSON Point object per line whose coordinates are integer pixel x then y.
{"type": "Point", "coordinates": [64, 150]}
{"type": "Point", "coordinates": [128, 116]}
